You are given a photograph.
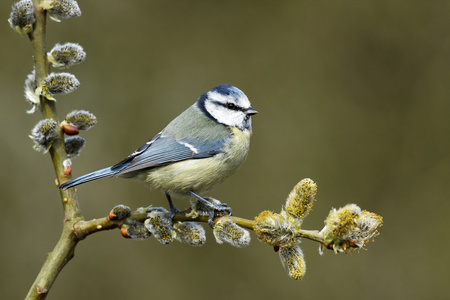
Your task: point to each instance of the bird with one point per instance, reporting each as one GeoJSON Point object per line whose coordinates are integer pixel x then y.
{"type": "Point", "coordinates": [194, 153]}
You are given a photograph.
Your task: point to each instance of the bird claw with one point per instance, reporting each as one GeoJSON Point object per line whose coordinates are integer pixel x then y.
{"type": "Point", "coordinates": [214, 209]}
{"type": "Point", "coordinates": [172, 213]}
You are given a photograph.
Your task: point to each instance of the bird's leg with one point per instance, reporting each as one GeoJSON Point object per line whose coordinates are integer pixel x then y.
{"type": "Point", "coordinates": [212, 208]}
{"type": "Point", "coordinates": [173, 209]}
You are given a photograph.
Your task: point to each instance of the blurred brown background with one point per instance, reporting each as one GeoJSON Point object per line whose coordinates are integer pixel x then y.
{"type": "Point", "coordinates": [353, 94]}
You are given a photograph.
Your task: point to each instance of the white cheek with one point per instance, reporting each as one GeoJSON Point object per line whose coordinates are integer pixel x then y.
{"type": "Point", "coordinates": [217, 111]}
{"type": "Point", "coordinates": [236, 119]}
{"type": "Point", "coordinates": [225, 116]}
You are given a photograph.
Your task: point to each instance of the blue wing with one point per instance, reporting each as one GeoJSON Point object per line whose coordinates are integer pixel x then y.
{"type": "Point", "coordinates": [163, 150]}
{"type": "Point", "coordinates": [159, 151]}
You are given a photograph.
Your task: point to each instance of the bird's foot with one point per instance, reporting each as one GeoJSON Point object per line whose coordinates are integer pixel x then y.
{"type": "Point", "coordinates": [213, 207]}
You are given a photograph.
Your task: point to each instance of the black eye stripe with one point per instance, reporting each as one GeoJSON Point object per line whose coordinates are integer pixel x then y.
{"type": "Point", "coordinates": [230, 105]}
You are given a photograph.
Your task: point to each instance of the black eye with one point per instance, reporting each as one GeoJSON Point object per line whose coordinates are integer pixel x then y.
{"type": "Point", "coordinates": [231, 106]}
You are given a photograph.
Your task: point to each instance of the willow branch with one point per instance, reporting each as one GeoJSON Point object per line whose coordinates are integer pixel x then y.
{"type": "Point", "coordinates": [64, 249]}
{"type": "Point", "coordinates": [84, 228]}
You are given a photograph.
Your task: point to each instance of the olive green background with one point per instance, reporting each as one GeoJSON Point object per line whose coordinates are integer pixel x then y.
{"type": "Point", "coordinates": [353, 94]}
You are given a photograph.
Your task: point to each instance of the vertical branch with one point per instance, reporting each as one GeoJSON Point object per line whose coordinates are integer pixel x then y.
{"type": "Point", "coordinates": [48, 109]}
{"type": "Point", "coordinates": [38, 42]}
{"type": "Point", "coordinates": [64, 249]}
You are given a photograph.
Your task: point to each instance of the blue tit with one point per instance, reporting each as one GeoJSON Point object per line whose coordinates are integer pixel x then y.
{"type": "Point", "coordinates": [197, 150]}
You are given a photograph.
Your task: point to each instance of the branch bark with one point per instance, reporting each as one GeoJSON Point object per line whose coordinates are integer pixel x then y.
{"type": "Point", "coordinates": [64, 249]}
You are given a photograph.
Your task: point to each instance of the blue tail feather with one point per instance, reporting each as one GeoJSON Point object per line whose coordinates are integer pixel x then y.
{"type": "Point", "coordinates": [102, 173]}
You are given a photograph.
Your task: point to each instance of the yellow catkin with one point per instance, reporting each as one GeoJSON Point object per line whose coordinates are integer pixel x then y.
{"type": "Point", "coordinates": [341, 221]}
{"type": "Point", "coordinates": [366, 229]}
{"type": "Point", "coordinates": [276, 229]}
{"type": "Point", "coordinates": [190, 233]}
{"type": "Point", "coordinates": [293, 262]}
{"type": "Point", "coordinates": [300, 201]}
{"type": "Point", "coordinates": [227, 231]}
{"type": "Point", "coordinates": [160, 227]}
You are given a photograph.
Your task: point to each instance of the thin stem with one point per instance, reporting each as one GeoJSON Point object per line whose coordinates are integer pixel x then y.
{"type": "Point", "coordinates": [313, 235]}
